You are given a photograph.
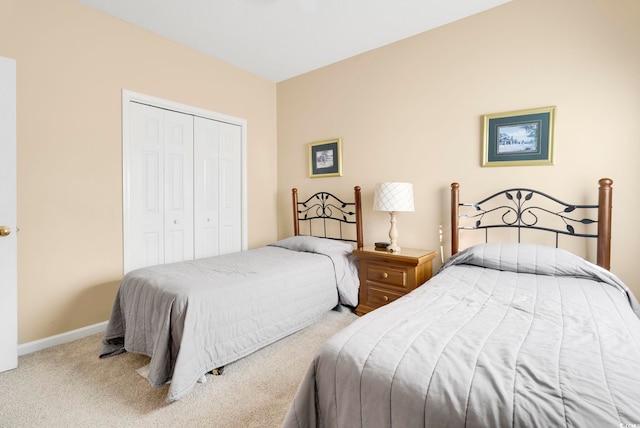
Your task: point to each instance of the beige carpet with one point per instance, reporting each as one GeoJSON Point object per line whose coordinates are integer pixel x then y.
{"type": "Point", "coordinates": [69, 386]}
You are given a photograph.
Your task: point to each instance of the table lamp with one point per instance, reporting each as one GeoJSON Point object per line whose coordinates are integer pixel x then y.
{"type": "Point", "coordinates": [393, 197]}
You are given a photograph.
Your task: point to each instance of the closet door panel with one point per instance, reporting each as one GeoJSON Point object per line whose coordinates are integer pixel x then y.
{"type": "Point", "coordinates": [145, 240]}
{"type": "Point", "coordinates": [178, 188]}
{"type": "Point", "coordinates": [206, 187]}
{"type": "Point", "coordinates": [230, 188]}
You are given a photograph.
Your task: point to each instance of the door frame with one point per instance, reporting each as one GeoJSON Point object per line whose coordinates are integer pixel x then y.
{"type": "Point", "coordinates": [131, 96]}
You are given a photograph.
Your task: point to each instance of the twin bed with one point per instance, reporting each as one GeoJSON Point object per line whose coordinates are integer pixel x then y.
{"type": "Point", "coordinates": [503, 335]}
{"type": "Point", "coordinates": [194, 317]}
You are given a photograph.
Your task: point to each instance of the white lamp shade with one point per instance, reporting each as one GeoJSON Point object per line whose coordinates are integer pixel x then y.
{"type": "Point", "coordinates": [393, 196]}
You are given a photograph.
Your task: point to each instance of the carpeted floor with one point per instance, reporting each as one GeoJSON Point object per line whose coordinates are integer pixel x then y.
{"type": "Point", "coordinates": [69, 386]}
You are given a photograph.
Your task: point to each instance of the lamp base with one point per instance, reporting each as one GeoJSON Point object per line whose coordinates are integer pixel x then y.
{"type": "Point", "coordinates": [393, 234]}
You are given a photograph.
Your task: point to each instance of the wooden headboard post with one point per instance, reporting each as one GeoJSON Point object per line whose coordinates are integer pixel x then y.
{"type": "Point", "coordinates": [604, 223]}
{"type": "Point", "coordinates": [455, 216]}
{"type": "Point", "coordinates": [358, 199]}
{"type": "Point", "coordinates": [296, 223]}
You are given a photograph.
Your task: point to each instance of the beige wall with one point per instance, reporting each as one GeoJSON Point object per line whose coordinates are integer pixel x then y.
{"type": "Point", "coordinates": [411, 111]}
{"type": "Point", "coordinates": [72, 64]}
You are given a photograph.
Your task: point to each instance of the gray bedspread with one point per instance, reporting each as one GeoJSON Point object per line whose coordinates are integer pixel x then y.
{"type": "Point", "coordinates": [192, 317]}
{"type": "Point", "coordinates": [505, 335]}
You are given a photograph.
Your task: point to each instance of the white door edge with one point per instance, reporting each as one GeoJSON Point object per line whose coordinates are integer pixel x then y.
{"type": "Point", "coordinates": [8, 217]}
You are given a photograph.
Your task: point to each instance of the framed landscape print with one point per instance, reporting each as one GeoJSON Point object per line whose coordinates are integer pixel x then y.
{"type": "Point", "coordinates": [325, 158]}
{"type": "Point", "coordinates": [523, 137]}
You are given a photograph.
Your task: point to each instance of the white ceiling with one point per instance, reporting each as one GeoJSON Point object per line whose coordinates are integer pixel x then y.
{"type": "Point", "coordinates": [280, 39]}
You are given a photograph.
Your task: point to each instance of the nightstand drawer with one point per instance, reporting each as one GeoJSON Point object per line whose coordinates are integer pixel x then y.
{"type": "Point", "coordinates": [378, 297]}
{"type": "Point", "coordinates": [386, 275]}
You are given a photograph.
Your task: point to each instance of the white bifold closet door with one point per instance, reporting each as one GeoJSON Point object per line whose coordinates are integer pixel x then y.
{"type": "Point", "coordinates": [218, 187]}
{"type": "Point", "coordinates": [184, 175]}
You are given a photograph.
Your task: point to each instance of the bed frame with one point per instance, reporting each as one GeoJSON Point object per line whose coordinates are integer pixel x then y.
{"type": "Point", "coordinates": [326, 209]}
{"type": "Point", "coordinates": [518, 212]}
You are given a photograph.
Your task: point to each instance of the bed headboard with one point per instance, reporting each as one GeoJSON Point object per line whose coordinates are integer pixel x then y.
{"type": "Point", "coordinates": [523, 208]}
{"type": "Point", "coordinates": [325, 209]}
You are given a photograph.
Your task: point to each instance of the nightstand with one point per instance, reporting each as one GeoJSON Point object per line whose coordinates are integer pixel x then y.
{"type": "Point", "coordinates": [385, 277]}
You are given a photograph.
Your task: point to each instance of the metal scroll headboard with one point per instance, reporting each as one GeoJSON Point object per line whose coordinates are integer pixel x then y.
{"type": "Point", "coordinates": [323, 210]}
{"type": "Point", "coordinates": [523, 208]}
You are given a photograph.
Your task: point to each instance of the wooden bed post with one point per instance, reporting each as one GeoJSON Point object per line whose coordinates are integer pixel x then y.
{"type": "Point", "coordinates": [296, 224]}
{"type": "Point", "coordinates": [455, 206]}
{"type": "Point", "coordinates": [604, 223]}
{"type": "Point", "coordinates": [358, 200]}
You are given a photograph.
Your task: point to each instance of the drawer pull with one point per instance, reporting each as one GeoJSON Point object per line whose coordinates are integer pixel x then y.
{"type": "Point", "coordinates": [385, 275]}
{"type": "Point", "coordinates": [385, 299]}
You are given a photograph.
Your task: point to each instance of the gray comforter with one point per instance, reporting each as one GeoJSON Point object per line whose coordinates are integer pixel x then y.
{"type": "Point", "coordinates": [503, 336]}
{"type": "Point", "coordinates": [192, 317]}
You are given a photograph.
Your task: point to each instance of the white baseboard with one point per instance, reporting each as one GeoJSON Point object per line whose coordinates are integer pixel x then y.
{"type": "Point", "coordinates": [59, 339]}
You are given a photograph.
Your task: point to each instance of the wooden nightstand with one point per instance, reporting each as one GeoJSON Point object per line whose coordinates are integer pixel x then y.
{"type": "Point", "coordinates": [385, 277]}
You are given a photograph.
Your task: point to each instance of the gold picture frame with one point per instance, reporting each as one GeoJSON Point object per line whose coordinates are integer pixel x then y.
{"type": "Point", "coordinates": [518, 138]}
{"type": "Point", "coordinates": [325, 158]}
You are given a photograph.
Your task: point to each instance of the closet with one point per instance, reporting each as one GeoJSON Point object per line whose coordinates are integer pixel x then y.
{"type": "Point", "coordinates": [182, 186]}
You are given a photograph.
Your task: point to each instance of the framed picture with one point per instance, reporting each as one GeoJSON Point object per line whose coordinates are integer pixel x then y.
{"type": "Point", "coordinates": [325, 158]}
{"type": "Point", "coordinates": [523, 137]}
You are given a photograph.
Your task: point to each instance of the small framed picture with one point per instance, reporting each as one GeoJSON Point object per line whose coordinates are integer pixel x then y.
{"type": "Point", "coordinates": [523, 137]}
{"type": "Point", "coordinates": [325, 158]}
